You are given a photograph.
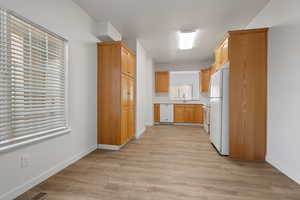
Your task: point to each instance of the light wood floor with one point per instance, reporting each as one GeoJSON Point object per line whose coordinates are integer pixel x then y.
{"type": "Point", "coordinates": [168, 163]}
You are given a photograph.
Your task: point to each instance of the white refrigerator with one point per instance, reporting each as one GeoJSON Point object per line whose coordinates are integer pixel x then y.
{"type": "Point", "coordinates": [219, 110]}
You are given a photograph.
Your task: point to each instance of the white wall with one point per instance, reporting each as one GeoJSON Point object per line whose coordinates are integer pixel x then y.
{"type": "Point", "coordinates": [67, 19]}
{"type": "Point", "coordinates": [283, 148]}
{"type": "Point", "coordinates": [144, 111]}
{"type": "Point", "coordinates": [149, 91]}
{"type": "Point", "coordinates": [131, 43]}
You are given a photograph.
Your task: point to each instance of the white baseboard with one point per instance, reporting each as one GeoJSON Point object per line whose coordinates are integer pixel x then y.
{"type": "Point", "coordinates": [42, 177]}
{"type": "Point", "coordinates": [109, 147]}
{"type": "Point", "coordinates": [179, 124]}
{"type": "Point", "coordinates": [280, 168]}
{"type": "Point", "coordinates": [150, 124]}
{"type": "Point", "coordinates": [140, 133]}
{"type": "Point", "coordinates": [113, 147]}
{"type": "Point", "coordinates": [188, 124]}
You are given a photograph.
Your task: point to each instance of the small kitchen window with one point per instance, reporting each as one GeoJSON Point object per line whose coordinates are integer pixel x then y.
{"type": "Point", "coordinates": [184, 85]}
{"type": "Point", "coordinates": [182, 92]}
{"type": "Point", "coordinates": [33, 82]}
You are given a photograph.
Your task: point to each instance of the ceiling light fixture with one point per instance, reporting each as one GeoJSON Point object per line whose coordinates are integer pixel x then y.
{"type": "Point", "coordinates": [186, 39]}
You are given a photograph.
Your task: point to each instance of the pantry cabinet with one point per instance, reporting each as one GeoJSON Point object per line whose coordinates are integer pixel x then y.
{"type": "Point", "coordinates": [116, 93]}
{"type": "Point", "coordinates": [247, 53]}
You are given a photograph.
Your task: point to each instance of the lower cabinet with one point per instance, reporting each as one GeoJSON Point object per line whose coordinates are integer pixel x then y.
{"type": "Point", "coordinates": [127, 124]}
{"type": "Point", "coordinates": [124, 126]}
{"type": "Point", "coordinates": [156, 112]}
{"type": "Point", "coordinates": [179, 113]}
{"type": "Point", "coordinates": [188, 113]}
{"type": "Point", "coordinates": [198, 114]}
{"type": "Point", "coordinates": [131, 123]}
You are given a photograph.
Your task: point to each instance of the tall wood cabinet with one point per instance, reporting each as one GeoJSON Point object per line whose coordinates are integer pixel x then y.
{"type": "Point", "coordinates": [116, 93]}
{"type": "Point", "coordinates": [247, 52]}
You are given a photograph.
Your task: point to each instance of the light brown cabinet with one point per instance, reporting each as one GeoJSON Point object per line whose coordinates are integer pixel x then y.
{"type": "Point", "coordinates": [179, 113]}
{"type": "Point", "coordinates": [161, 81]}
{"type": "Point", "coordinates": [116, 93]}
{"type": "Point", "coordinates": [156, 112]}
{"type": "Point", "coordinates": [205, 79]}
{"type": "Point", "coordinates": [221, 54]}
{"type": "Point", "coordinates": [128, 62]}
{"type": "Point", "coordinates": [188, 113]}
{"type": "Point", "coordinates": [198, 114]}
{"type": "Point", "coordinates": [247, 55]}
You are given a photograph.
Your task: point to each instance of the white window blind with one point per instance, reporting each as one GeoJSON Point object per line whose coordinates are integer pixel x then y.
{"type": "Point", "coordinates": [182, 92]}
{"type": "Point", "coordinates": [32, 81]}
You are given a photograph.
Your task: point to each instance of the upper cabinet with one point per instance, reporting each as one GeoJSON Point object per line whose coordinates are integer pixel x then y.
{"type": "Point", "coordinates": [161, 81]}
{"type": "Point", "coordinates": [221, 53]}
{"type": "Point", "coordinates": [128, 62]}
{"type": "Point", "coordinates": [221, 57]}
{"type": "Point", "coordinates": [205, 79]}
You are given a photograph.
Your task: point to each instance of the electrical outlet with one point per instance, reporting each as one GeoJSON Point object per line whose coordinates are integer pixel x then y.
{"type": "Point", "coordinates": [25, 161]}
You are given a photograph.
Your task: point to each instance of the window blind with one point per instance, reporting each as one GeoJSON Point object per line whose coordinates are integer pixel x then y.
{"type": "Point", "coordinates": [32, 80]}
{"type": "Point", "coordinates": [181, 92]}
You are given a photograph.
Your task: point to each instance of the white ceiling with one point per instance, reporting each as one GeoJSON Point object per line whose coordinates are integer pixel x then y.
{"type": "Point", "coordinates": [155, 23]}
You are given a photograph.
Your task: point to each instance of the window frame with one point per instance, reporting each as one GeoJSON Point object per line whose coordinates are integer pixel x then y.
{"type": "Point", "coordinates": [16, 142]}
{"type": "Point", "coordinates": [178, 87]}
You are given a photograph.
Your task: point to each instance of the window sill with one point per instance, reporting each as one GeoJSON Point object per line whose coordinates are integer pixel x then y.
{"type": "Point", "coordinates": [12, 146]}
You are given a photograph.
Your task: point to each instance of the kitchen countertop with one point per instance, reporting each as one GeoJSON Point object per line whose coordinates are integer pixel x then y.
{"type": "Point", "coordinates": [179, 102]}
{"type": "Point", "coordinates": [205, 103]}
{"type": "Point", "coordinates": [204, 100]}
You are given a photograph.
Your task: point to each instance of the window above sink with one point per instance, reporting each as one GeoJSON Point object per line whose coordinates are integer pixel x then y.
{"type": "Point", "coordinates": [184, 85]}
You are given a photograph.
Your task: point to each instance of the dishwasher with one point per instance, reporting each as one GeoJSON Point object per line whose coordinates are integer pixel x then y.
{"type": "Point", "coordinates": [166, 113]}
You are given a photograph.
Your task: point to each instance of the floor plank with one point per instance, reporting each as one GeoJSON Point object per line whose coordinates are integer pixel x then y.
{"type": "Point", "coordinates": [168, 163]}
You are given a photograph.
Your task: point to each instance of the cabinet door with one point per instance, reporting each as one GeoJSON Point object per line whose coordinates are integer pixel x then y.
{"type": "Point", "coordinates": [131, 123]}
{"type": "Point", "coordinates": [205, 80]}
{"type": "Point", "coordinates": [156, 112]}
{"type": "Point", "coordinates": [224, 51]}
{"type": "Point", "coordinates": [161, 81]}
{"type": "Point", "coordinates": [124, 61]}
{"type": "Point", "coordinates": [198, 114]}
{"type": "Point", "coordinates": [130, 91]}
{"type": "Point", "coordinates": [124, 125]}
{"type": "Point", "coordinates": [131, 65]}
{"type": "Point", "coordinates": [179, 113]}
{"type": "Point", "coordinates": [189, 113]}
{"type": "Point", "coordinates": [131, 108]}
{"type": "Point", "coordinates": [221, 54]}
{"type": "Point", "coordinates": [124, 91]}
